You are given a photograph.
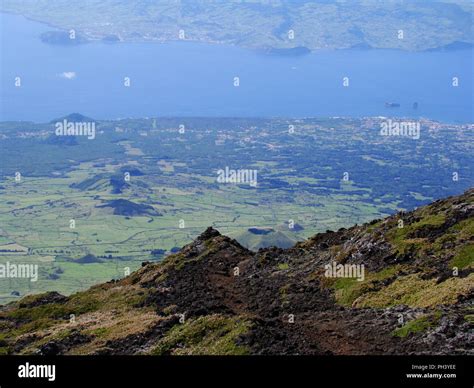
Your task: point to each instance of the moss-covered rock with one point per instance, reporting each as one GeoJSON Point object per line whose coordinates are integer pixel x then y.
{"type": "Point", "coordinates": [417, 325]}
{"type": "Point", "coordinates": [413, 291]}
{"type": "Point", "coordinates": [212, 334]}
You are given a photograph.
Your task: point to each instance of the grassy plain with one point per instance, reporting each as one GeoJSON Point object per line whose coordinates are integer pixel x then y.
{"type": "Point", "coordinates": [300, 181]}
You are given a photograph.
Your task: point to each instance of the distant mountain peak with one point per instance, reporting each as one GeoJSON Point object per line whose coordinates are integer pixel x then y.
{"type": "Point", "coordinates": [74, 117]}
{"type": "Point", "coordinates": [209, 233]}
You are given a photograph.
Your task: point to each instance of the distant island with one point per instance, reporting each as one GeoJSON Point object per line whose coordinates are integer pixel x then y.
{"type": "Point", "coordinates": [283, 28]}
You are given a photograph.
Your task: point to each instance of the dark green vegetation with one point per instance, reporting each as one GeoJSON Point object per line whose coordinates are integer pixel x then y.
{"type": "Point", "coordinates": [123, 207]}
{"type": "Point", "coordinates": [142, 188]}
{"type": "Point", "coordinates": [216, 297]}
{"type": "Point", "coordinates": [417, 325]}
{"type": "Point", "coordinates": [285, 27]}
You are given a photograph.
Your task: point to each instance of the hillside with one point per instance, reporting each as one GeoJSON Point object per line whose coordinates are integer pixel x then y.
{"type": "Point", "coordinates": [127, 208]}
{"type": "Point", "coordinates": [216, 297]}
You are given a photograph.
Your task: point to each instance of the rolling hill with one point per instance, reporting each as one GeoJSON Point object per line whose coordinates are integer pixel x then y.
{"type": "Point", "coordinates": [257, 238]}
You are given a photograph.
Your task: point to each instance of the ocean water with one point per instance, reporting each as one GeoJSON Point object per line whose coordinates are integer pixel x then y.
{"type": "Point", "coordinates": [197, 79]}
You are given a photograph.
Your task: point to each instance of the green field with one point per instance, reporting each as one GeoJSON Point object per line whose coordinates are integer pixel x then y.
{"type": "Point", "coordinates": [300, 181]}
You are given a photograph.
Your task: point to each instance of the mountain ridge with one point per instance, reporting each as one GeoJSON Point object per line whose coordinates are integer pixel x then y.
{"type": "Point", "coordinates": [217, 297]}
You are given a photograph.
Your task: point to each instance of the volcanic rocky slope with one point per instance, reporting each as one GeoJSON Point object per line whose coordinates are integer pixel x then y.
{"type": "Point", "coordinates": [216, 297]}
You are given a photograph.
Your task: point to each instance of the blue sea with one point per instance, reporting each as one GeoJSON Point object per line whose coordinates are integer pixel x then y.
{"type": "Point", "coordinates": [198, 79]}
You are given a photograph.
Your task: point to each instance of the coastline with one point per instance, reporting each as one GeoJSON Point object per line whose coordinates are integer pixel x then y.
{"type": "Point", "coordinates": [261, 49]}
